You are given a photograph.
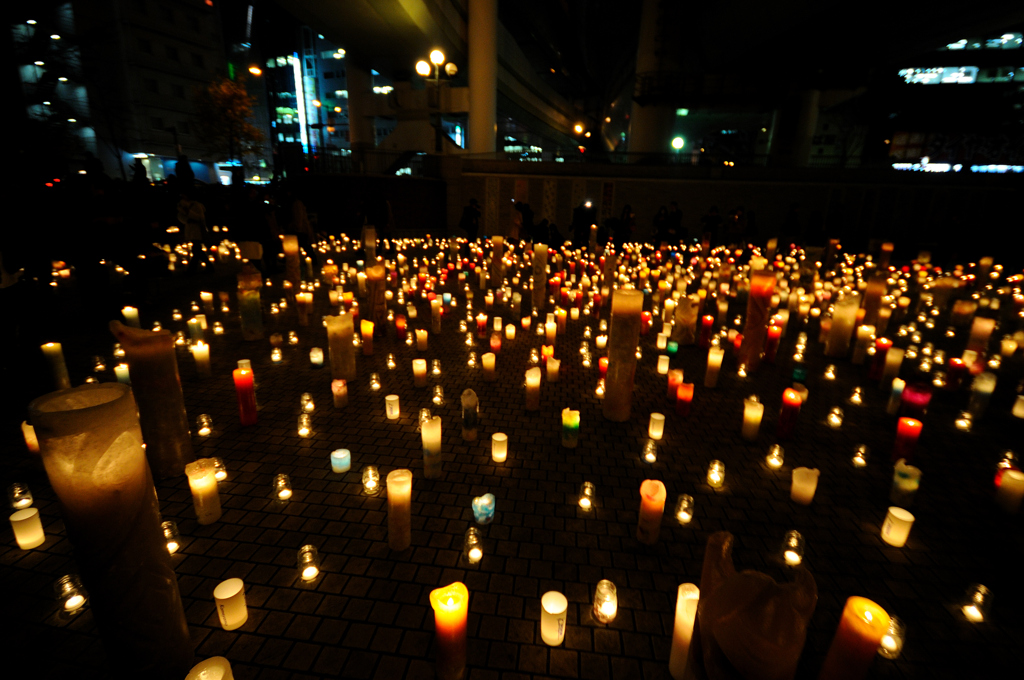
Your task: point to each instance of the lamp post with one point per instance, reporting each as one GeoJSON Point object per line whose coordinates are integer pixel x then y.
{"type": "Point", "coordinates": [425, 69]}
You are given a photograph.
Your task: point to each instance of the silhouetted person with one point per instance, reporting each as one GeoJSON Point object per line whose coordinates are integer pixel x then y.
{"type": "Point", "coordinates": [186, 177]}
{"type": "Point", "coordinates": [711, 223]}
{"type": "Point", "coordinates": [470, 221]}
{"type": "Point", "coordinates": [583, 216]}
{"type": "Point", "coordinates": [625, 226]}
{"type": "Point", "coordinates": [660, 225]}
{"type": "Point", "coordinates": [139, 173]}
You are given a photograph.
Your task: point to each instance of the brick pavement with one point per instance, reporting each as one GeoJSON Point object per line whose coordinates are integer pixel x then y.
{"type": "Point", "coordinates": [367, 614]}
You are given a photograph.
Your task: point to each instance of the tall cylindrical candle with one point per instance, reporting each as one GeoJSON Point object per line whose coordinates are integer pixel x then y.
{"type": "Point", "coordinates": [54, 355]}
{"type": "Point", "coordinates": [805, 483]}
{"type": "Point", "coordinates": [623, 337]}
{"type": "Point", "coordinates": [431, 436]}
{"type": "Point", "coordinates": [907, 432]}
{"type": "Point", "coordinates": [488, 360]}
{"type": "Point", "coordinates": [246, 392]}
{"type": "Point", "coordinates": [533, 389]}
{"type": "Point", "coordinates": [860, 631]}
{"type": "Point", "coordinates": [553, 609]}
{"type": "Point", "coordinates": [91, 445]}
{"type": "Point", "coordinates": [844, 317]}
{"type": "Point", "coordinates": [419, 372]}
{"type": "Point", "coordinates": [753, 410]}
{"type": "Point", "coordinates": [687, 597]}
{"type": "Point", "coordinates": [791, 403]}
{"type": "Point", "coordinates": [451, 607]}
{"type": "Point", "coordinates": [570, 428]}
{"type": "Point", "coordinates": [399, 509]}
{"type": "Point", "coordinates": [202, 481]}
{"type": "Point", "coordinates": [499, 447]}
{"type": "Point", "coordinates": [342, 353]}
{"type": "Point", "coordinates": [675, 379]}
{"type": "Point", "coordinates": [715, 356]}
{"type": "Point", "coordinates": [684, 398]}
{"type": "Point", "coordinates": [762, 286]}
{"type": "Point", "coordinates": [540, 276]}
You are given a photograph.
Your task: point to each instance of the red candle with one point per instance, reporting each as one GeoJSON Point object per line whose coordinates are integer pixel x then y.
{"type": "Point", "coordinates": [645, 322]}
{"type": "Point", "coordinates": [400, 323]}
{"type": "Point", "coordinates": [675, 379]}
{"type": "Point", "coordinates": [564, 296]}
{"type": "Point", "coordinates": [481, 325]}
{"type": "Point", "coordinates": [602, 366]}
{"type": "Point", "coordinates": [495, 342]}
{"type": "Point", "coordinates": [545, 352]}
{"type": "Point", "coordinates": [907, 432]}
{"type": "Point", "coordinates": [791, 403]}
{"type": "Point", "coordinates": [246, 392]}
{"type": "Point", "coordinates": [771, 346]}
{"type": "Point", "coordinates": [956, 369]}
{"type": "Point", "coordinates": [882, 346]}
{"type": "Point", "coordinates": [707, 325]}
{"type": "Point", "coordinates": [914, 400]}
{"type": "Point", "coordinates": [684, 397]}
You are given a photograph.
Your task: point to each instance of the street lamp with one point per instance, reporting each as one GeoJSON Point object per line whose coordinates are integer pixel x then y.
{"type": "Point", "coordinates": [424, 69]}
{"type": "Point", "coordinates": [255, 70]}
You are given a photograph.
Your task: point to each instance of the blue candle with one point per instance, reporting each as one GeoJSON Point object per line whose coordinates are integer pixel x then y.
{"type": "Point", "coordinates": [672, 347]}
{"type": "Point", "coordinates": [341, 460]}
{"type": "Point", "coordinates": [483, 508]}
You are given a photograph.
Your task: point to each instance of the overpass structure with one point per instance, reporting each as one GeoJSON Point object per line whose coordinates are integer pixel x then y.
{"type": "Point", "coordinates": [390, 36]}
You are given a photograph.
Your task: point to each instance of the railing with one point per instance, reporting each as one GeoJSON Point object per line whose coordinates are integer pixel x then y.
{"type": "Point", "coordinates": [681, 158]}
{"type": "Point", "coordinates": [368, 162]}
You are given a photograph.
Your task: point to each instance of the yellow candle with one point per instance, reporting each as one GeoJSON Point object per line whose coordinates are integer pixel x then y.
{"type": "Point", "coordinates": [753, 410]}
{"type": "Point", "coordinates": [55, 357]}
{"type": "Point", "coordinates": [366, 330]}
{"type": "Point", "coordinates": [533, 389]}
{"type": "Point", "coordinates": [489, 361]}
{"type": "Point", "coordinates": [431, 435]}
{"type": "Point", "coordinates": [715, 356]}
{"type": "Point", "coordinates": [451, 607]}
{"type": "Point", "coordinates": [419, 372]}
{"type": "Point", "coordinates": [552, 369]}
{"type": "Point", "coordinates": [202, 481]}
{"type": "Point", "coordinates": [853, 648]}
{"type": "Point", "coordinates": [399, 509]}
{"type": "Point", "coordinates": [421, 340]}
{"type": "Point", "coordinates": [499, 447]}
{"type": "Point", "coordinates": [201, 354]}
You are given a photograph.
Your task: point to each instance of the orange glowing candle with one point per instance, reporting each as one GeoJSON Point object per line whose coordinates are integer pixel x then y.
{"type": "Point", "coordinates": [857, 638]}
{"type": "Point", "coordinates": [400, 323]}
{"type": "Point", "coordinates": [675, 379]}
{"type": "Point", "coordinates": [546, 352]}
{"type": "Point", "coordinates": [451, 605]}
{"type": "Point", "coordinates": [366, 327]}
{"type": "Point", "coordinates": [791, 403]}
{"type": "Point", "coordinates": [652, 507]}
{"type": "Point", "coordinates": [602, 366]}
{"type": "Point", "coordinates": [684, 397]}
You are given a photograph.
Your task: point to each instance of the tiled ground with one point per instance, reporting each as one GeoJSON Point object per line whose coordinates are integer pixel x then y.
{"type": "Point", "coordinates": [367, 615]}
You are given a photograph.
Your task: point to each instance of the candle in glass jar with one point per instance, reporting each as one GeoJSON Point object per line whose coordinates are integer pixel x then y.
{"type": "Point", "coordinates": [419, 372]}
{"type": "Point", "coordinates": [753, 410]}
{"type": "Point", "coordinates": [687, 598]}
{"type": "Point", "coordinates": [202, 481]}
{"type": "Point", "coordinates": [652, 507]}
{"type": "Point", "coordinates": [716, 474]}
{"type": "Point", "coordinates": [860, 631]}
{"type": "Point", "coordinates": [451, 607]}
{"type": "Point", "coordinates": [399, 509]}
{"type": "Point", "coordinates": [533, 389]}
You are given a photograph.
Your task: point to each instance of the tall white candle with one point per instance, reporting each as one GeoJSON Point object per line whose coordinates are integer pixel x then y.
{"type": "Point", "coordinates": [715, 356]}
{"type": "Point", "coordinates": [229, 597]}
{"type": "Point", "coordinates": [489, 360]}
{"type": "Point", "coordinates": [431, 435]}
{"type": "Point", "coordinates": [201, 354]}
{"type": "Point", "coordinates": [663, 364]}
{"type": "Point", "coordinates": [392, 407]}
{"type": "Point", "coordinates": [687, 598]}
{"type": "Point", "coordinates": [865, 334]}
{"type": "Point", "coordinates": [131, 316]}
{"type": "Point", "coordinates": [753, 411]}
{"type": "Point", "coordinates": [656, 426]}
{"type": "Point", "coordinates": [399, 509]}
{"type": "Point", "coordinates": [54, 355]}
{"type": "Point", "coordinates": [421, 340]}
{"type": "Point", "coordinates": [844, 317]}
{"type": "Point", "coordinates": [891, 369]}
{"type": "Point", "coordinates": [28, 528]}
{"type": "Point", "coordinates": [553, 608]}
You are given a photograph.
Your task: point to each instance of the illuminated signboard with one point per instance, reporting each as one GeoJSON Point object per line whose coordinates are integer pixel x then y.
{"type": "Point", "coordinates": [959, 75]}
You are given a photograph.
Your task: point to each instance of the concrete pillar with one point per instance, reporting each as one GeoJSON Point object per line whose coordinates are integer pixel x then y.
{"type": "Point", "coordinates": [360, 126]}
{"type": "Point", "coordinates": [483, 75]}
{"type": "Point", "coordinates": [793, 128]}
{"type": "Point", "coordinates": [806, 124]}
{"type": "Point", "coordinates": [651, 125]}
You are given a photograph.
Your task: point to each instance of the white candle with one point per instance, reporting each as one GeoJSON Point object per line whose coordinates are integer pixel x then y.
{"type": "Point", "coordinates": [202, 481]}
{"type": "Point", "coordinates": [419, 372]}
{"type": "Point", "coordinates": [499, 447]}
{"type": "Point", "coordinates": [663, 364]}
{"type": "Point", "coordinates": [131, 316]}
{"type": "Point", "coordinates": [553, 608]}
{"type": "Point", "coordinates": [201, 354]}
{"type": "Point", "coordinates": [28, 528]}
{"type": "Point", "coordinates": [753, 411]}
{"type": "Point", "coordinates": [339, 390]}
{"type": "Point", "coordinates": [421, 340]}
{"type": "Point", "coordinates": [550, 331]}
{"type": "Point", "coordinates": [687, 598]}
{"type": "Point", "coordinates": [865, 334]}
{"type": "Point", "coordinates": [229, 597]}
{"type": "Point", "coordinates": [601, 341]}
{"type": "Point", "coordinates": [31, 440]}
{"type": "Point", "coordinates": [510, 332]}
{"type": "Point", "coordinates": [391, 406]}
{"type": "Point", "coordinates": [489, 360]}
{"type": "Point", "coordinates": [58, 369]}
{"type": "Point", "coordinates": [214, 668]}
{"type": "Point", "coordinates": [122, 374]}
{"type": "Point", "coordinates": [715, 356]}
{"type": "Point", "coordinates": [656, 426]}
{"type": "Point", "coordinates": [893, 360]}
{"type": "Point", "coordinates": [844, 317]}
{"type": "Point", "coordinates": [496, 323]}
{"type": "Point", "coordinates": [896, 527]}
{"type": "Point", "coordinates": [431, 436]}
{"type": "Point", "coordinates": [1011, 491]}
{"type": "Point", "coordinates": [552, 369]}
{"type": "Point", "coordinates": [533, 389]}
{"type": "Point", "coordinates": [399, 509]}
{"type": "Point", "coordinates": [574, 313]}
{"type": "Point", "coordinates": [805, 483]}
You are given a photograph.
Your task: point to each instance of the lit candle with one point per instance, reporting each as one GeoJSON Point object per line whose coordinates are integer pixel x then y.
{"type": "Point", "coordinates": [856, 641]}
{"type": "Point", "coordinates": [775, 457]}
{"type": "Point", "coordinates": [675, 379]}
{"type": "Point", "coordinates": [421, 340]}
{"type": "Point", "coordinates": [652, 507]}
{"type": "Point", "coordinates": [229, 598]}
{"type": "Point", "coordinates": [202, 481]}
{"type": "Point", "coordinates": [560, 320]}
{"type": "Point", "coordinates": [54, 355]}
{"type": "Point", "coordinates": [419, 372]}
{"type": "Point", "coordinates": [716, 474]}
{"type": "Point", "coordinates": [982, 387]}
{"type": "Point", "coordinates": [865, 334]}
{"type": "Point", "coordinates": [896, 528]}
{"type": "Point", "coordinates": [28, 528]}
{"type": "Point", "coordinates": [891, 369]}
{"type": "Point", "coordinates": [495, 342]}
{"type": "Point", "coordinates": [601, 341]}
{"type": "Point", "coordinates": [793, 548]}
{"type": "Point", "coordinates": [805, 483]}
{"type": "Point", "coordinates": [451, 606]}
{"type": "Point", "coordinates": [340, 330]}
{"type": "Point", "coordinates": [29, 434]}
{"type": "Point", "coordinates": [499, 447]}
{"type": "Point", "coordinates": [907, 432]}
{"type": "Point", "coordinates": [316, 357]}
{"type": "Point", "coordinates": [753, 410]}
{"type": "Point", "coordinates": [570, 428]}
{"type": "Point", "coordinates": [308, 562]}
{"type": "Point", "coordinates": [483, 508]}
{"type": "Point", "coordinates": [663, 364]}
{"type": "Point", "coordinates": [366, 331]}
{"type": "Point", "coordinates": [399, 509]}
{"type": "Point", "coordinates": [472, 546]}
{"type": "Point", "coordinates": [606, 601]}
{"type": "Point", "coordinates": [303, 303]}
{"type": "Point", "coordinates": [552, 369]}
{"type": "Point", "coordinates": [339, 391]}
{"type": "Point", "coordinates": [684, 398]}
{"type": "Point", "coordinates": [978, 600]}
{"type": "Point", "coordinates": [341, 460]}
{"type": "Point", "coordinates": [510, 332]}
{"type": "Point", "coordinates": [759, 295]}
{"type": "Point", "coordinates": [844, 317]}
{"type": "Point", "coordinates": [431, 436]}
{"type": "Point", "coordinates": [246, 393]}
{"type": "Point", "coordinates": [687, 597]}
{"type": "Point", "coordinates": [791, 403]}
{"type": "Point", "coordinates": [371, 481]}
{"type": "Point", "coordinates": [533, 389]}
{"type": "Point", "coordinates": [131, 314]}
{"type": "Point", "coordinates": [707, 325]}
{"type": "Point", "coordinates": [554, 606]}
{"type": "Point", "coordinates": [586, 496]}
{"type": "Point", "coordinates": [892, 641]}
{"type": "Point", "coordinates": [1010, 491]}
{"type": "Point", "coordinates": [201, 355]}
{"type": "Point", "coordinates": [550, 331]}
